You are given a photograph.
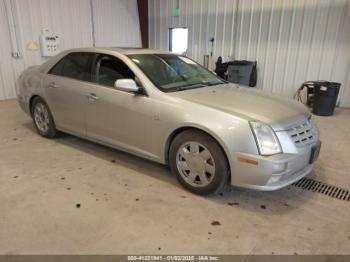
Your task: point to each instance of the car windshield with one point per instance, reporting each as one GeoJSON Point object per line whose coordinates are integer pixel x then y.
{"type": "Point", "coordinates": [170, 72]}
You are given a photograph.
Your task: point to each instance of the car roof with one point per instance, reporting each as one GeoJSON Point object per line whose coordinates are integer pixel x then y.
{"type": "Point", "coordinates": [121, 50]}
{"type": "Point", "coordinates": [130, 51]}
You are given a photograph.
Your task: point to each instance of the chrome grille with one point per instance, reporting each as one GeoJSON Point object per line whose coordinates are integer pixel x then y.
{"type": "Point", "coordinates": [302, 134]}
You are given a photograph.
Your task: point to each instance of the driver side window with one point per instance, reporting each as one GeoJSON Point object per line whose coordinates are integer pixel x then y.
{"type": "Point", "coordinates": [109, 69]}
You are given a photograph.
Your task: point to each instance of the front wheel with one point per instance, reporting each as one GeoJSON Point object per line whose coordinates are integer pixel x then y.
{"type": "Point", "coordinates": [43, 119]}
{"type": "Point", "coordinates": [198, 162]}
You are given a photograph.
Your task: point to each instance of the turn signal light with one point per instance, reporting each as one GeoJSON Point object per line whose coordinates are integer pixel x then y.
{"type": "Point", "coordinates": [247, 161]}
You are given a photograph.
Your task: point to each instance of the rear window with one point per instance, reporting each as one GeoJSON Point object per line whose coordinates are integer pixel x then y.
{"type": "Point", "coordinates": [74, 65]}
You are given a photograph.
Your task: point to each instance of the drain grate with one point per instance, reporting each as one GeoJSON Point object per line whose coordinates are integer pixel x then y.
{"type": "Point", "coordinates": [323, 188]}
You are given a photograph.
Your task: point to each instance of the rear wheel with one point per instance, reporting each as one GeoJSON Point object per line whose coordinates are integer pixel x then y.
{"type": "Point", "coordinates": [42, 118]}
{"type": "Point", "coordinates": [198, 162]}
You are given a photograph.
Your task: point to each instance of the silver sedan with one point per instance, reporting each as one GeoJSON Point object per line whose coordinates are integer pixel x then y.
{"type": "Point", "coordinates": [167, 108]}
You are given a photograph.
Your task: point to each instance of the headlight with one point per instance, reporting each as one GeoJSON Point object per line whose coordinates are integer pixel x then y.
{"type": "Point", "coordinates": [266, 138]}
{"type": "Point", "coordinates": [313, 125]}
{"type": "Point", "coordinates": [311, 120]}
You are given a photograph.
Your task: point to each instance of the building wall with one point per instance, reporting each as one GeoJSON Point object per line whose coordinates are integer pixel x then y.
{"type": "Point", "coordinates": [7, 89]}
{"type": "Point", "coordinates": [292, 40]}
{"type": "Point", "coordinates": [72, 20]}
{"type": "Point", "coordinates": [116, 23]}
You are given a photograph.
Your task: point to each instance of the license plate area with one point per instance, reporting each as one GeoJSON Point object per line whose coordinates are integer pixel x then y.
{"type": "Point", "coordinates": [315, 151]}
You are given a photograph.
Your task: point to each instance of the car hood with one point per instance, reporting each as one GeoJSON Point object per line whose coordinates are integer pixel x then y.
{"type": "Point", "coordinates": [249, 103]}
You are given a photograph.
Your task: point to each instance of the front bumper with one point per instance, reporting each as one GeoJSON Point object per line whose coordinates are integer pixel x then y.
{"type": "Point", "coordinates": [268, 173]}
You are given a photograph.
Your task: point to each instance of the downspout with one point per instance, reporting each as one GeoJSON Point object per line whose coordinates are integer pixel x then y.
{"type": "Point", "coordinates": [15, 38]}
{"type": "Point", "coordinates": [92, 24]}
{"type": "Point", "coordinates": [235, 28]}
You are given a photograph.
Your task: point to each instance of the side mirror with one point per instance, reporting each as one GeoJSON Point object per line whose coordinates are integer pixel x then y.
{"type": "Point", "coordinates": [127, 85]}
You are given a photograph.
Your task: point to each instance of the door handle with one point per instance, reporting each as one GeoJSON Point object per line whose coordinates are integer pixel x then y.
{"type": "Point", "coordinates": [92, 96]}
{"type": "Point", "coordinates": [52, 85]}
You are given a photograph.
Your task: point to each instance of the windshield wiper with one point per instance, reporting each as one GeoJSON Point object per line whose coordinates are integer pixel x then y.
{"type": "Point", "coordinates": [192, 86]}
{"type": "Point", "coordinates": [212, 83]}
{"type": "Point", "coordinates": [196, 85]}
{"type": "Point", "coordinates": [185, 87]}
{"type": "Point", "coordinates": [199, 85]}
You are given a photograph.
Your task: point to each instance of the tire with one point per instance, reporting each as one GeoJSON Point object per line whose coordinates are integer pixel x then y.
{"type": "Point", "coordinates": [42, 118]}
{"type": "Point", "coordinates": [206, 173]}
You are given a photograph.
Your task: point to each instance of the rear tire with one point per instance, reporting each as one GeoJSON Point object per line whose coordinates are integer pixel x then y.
{"type": "Point", "coordinates": [198, 162]}
{"type": "Point", "coordinates": [42, 118]}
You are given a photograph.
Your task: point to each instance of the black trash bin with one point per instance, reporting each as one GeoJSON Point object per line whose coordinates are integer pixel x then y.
{"type": "Point", "coordinates": [242, 72]}
{"type": "Point", "coordinates": [325, 97]}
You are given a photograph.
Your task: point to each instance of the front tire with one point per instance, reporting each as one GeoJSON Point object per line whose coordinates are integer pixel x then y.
{"type": "Point", "coordinates": [198, 162]}
{"type": "Point", "coordinates": [42, 118]}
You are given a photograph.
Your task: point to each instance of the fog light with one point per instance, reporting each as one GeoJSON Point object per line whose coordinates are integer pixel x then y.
{"type": "Point", "coordinates": [274, 179]}
{"type": "Point", "coordinates": [279, 168]}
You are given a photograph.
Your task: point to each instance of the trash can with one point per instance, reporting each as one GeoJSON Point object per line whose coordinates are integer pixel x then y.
{"type": "Point", "coordinates": [325, 97]}
{"type": "Point", "coordinates": [242, 72]}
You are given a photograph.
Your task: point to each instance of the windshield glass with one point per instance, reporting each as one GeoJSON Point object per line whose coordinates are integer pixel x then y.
{"type": "Point", "coordinates": [171, 72]}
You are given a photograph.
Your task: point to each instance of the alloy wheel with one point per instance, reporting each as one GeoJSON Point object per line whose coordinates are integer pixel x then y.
{"type": "Point", "coordinates": [41, 117]}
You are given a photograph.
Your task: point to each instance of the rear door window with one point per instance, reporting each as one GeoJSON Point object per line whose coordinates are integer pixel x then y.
{"type": "Point", "coordinates": [74, 65]}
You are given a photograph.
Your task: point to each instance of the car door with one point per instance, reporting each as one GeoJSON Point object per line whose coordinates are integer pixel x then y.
{"type": "Point", "coordinates": [116, 117]}
{"type": "Point", "coordinates": [65, 91]}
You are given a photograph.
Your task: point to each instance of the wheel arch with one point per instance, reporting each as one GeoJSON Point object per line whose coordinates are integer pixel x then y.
{"type": "Point", "coordinates": [181, 129]}
{"type": "Point", "coordinates": [31, 100]}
